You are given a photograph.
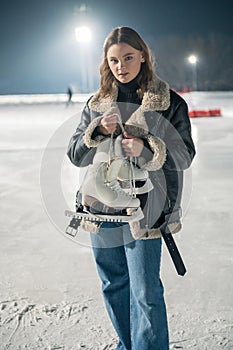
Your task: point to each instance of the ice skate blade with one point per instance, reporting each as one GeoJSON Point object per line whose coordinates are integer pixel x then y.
{"type": "Point", "coordinates": [104, 210]}
{"type": "Point", "coordinates": [135, 216]}
{"type": "Point", "coordinates": [89, 201]}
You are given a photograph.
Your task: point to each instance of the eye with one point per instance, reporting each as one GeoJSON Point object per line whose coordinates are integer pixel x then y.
{"type": "Point", "coordinates": [128, 58]}
{"type": "Point", "coordinates": [114, 60]}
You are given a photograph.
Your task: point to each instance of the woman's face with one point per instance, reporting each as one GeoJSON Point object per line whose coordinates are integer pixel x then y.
{"type": "Point", "coordinates": [124, 61]}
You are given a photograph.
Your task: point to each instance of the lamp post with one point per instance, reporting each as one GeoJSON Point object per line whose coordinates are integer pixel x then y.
{"type": "Point", "coordinates": [83, 36]}
{"type": "Point", "coordinates": [193, 61]}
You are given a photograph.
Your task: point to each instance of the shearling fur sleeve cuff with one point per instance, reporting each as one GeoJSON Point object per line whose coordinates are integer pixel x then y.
{"type": "Point", "coordinates": [158, 148]}
{"type": "Point", "coordinates": [143, 233]}
{"type": "Point", "coordinates": [87, 138]}
{"type": "Point", "coordinates": [156, 233]}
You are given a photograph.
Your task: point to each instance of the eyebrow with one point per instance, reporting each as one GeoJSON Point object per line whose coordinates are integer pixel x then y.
{"type": "Point", "coordinates": [127, 54]}
{"type": "Point", "coordinates": [130, 53]}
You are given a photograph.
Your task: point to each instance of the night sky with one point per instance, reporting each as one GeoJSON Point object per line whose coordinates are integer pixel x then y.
{"type": "Point", "coordinates": [39, 53]}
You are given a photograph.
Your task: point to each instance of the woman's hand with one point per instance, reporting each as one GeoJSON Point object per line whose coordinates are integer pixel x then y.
{"type": "Point", "coordinates": [132, 146]}
{"type": "Point", "coordinates": [108, 124]}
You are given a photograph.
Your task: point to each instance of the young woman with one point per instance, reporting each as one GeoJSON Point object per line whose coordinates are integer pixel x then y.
{"type": "Point", "coordinates": [157, 133]}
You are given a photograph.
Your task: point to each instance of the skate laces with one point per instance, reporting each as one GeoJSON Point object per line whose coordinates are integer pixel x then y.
{"type": "Point", "coordinates": [132, 178]}
{"type": "Point", "coordinates": [131, 175]}
{"type": "Point", "coordinates": [115, 184]}
{"type": "Point", "coordinates": [111, 150]}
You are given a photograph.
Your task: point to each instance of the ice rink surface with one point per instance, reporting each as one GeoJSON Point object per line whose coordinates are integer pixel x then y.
{"type": "Point", "coordinates": [50, 292]}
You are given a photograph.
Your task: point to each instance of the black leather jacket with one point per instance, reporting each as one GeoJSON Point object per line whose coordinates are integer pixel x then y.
{"type": "Point", "coordinates": [172, 127]}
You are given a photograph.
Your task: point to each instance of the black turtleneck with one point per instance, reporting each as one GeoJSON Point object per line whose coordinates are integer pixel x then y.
{"type": "Point", "coordinates": [127, 92]}
{"type": "Point", "coordinates": [128, 98]}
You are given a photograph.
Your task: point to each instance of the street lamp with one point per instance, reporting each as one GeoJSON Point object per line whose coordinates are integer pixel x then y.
{"type": "Point", "coordinates": [83, 36]}
{"type": "Point", "coordinates": [193, 61]}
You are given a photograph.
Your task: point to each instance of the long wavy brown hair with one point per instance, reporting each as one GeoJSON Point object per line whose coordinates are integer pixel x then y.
{"type": "Point", "coordinates": [131, 37]}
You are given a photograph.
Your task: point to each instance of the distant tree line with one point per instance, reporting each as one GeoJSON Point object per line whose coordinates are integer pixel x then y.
{"type": "Point", "coordinates": [214, 66]}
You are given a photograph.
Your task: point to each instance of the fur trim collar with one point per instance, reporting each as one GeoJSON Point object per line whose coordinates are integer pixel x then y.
{"type": "Point", "coordinates": [156, 98]}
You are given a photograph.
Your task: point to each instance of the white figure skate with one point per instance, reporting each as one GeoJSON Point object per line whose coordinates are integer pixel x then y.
{"type": "Point", "coordinates": [101, 185]}
{"type": "Point", "coordinates": [129, 174]}
{"type": "Point", "coordinates": [102, 199]}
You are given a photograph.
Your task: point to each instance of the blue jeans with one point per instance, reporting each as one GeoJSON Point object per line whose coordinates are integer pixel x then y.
{"type": "Point", "coordinates": [131, 286]}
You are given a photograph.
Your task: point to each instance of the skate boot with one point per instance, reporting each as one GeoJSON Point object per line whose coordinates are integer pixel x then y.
{"type": "Point", "coordinates": [101, 185]}
{"type": "Point", "coordinates": [101, 198]}
{"type": "Point", "coordinates": [128, 172]}
{"type": "Point", "coordinates": [104, 151]}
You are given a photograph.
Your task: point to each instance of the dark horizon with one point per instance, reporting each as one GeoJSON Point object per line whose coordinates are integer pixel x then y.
{"type": "Point", "coordinates": [39, 52]}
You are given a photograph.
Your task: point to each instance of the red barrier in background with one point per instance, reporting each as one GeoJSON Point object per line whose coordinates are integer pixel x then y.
{"type": "Point", "coordinates": [205, 113]}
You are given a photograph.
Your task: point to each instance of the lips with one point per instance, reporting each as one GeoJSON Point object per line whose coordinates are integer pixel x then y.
{"type": "Point", "coordinates": [122, 74]}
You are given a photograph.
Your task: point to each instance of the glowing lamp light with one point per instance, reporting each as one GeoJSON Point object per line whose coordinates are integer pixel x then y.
{"type": "Point", "coordinates": [83, 34]}
{"type": "Point", "coordinates": [192, 59]}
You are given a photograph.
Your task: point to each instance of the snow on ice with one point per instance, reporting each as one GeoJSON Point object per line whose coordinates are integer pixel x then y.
{"type": "Point", "coordinates": [50, 292]}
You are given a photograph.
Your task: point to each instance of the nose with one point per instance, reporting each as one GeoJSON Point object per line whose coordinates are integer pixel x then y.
{"type": "Point", "coordinates": [121, 65]}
